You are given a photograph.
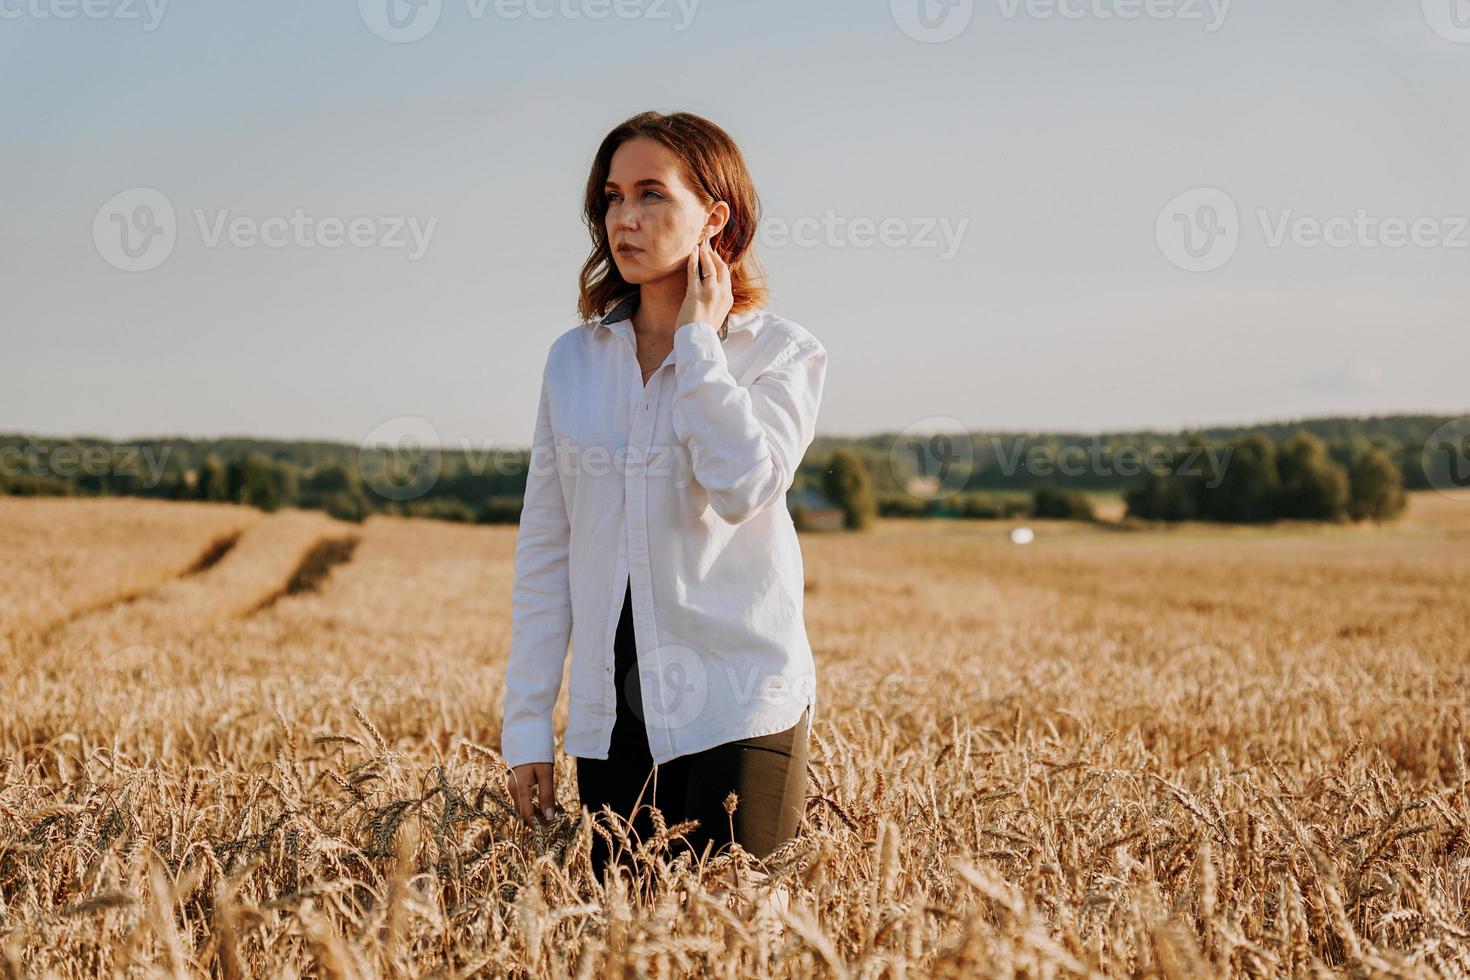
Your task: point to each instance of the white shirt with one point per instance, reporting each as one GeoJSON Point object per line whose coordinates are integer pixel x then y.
{"type": "Point", "coordinates": [678, 487]}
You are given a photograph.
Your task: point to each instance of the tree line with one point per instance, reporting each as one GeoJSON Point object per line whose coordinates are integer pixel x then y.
{"type": "Point", "coordinates": [1317, 469]}
{"type": "Point", "coordinates": [1261, 480]}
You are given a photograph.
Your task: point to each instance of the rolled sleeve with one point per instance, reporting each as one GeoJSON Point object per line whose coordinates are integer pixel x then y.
{"type": "Point", "coordinates": [541, 608]}
{"type": "Point", "coordinates": [745, 442]}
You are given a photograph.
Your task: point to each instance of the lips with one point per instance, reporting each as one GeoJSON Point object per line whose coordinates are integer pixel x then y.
{"type": "Point", "coordinates": [628, 249]}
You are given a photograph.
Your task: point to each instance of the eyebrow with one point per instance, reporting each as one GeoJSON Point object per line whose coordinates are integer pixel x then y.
{"type": "Point", "coordinates": [645, 182]}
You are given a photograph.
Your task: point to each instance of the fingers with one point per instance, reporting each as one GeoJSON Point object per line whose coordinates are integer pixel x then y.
{"type": "Point", "coordinates": [532, 786]}
{"type": "Point", "coordinates": [520, 795]}
{"type": "Point", "coordinates": [545, 791]}
{"type": "Point", "coordinates": [712, 263]}
{"type": "Point", "coordinates": [700, 268]}
{"type": "Point", "coordinates": [717, 264]}
{"type": "Point", "coordinates": [721, 267]}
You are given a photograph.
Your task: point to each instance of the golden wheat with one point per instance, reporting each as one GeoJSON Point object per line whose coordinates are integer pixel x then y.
{"type": "Point", "coordinates": [263, 745]}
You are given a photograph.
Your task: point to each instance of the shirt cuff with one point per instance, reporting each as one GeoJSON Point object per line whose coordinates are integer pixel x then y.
{"type": "Point", "coordinates": [527, 742]}
{"type": "Point", "coordinates": [697, 340]}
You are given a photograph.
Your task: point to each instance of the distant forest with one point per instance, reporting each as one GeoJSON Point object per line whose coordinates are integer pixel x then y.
{"type": "Point", "coordinates": [1278, 469]}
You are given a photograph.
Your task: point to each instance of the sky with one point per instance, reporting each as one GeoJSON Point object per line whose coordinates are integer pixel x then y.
{"type": "Point", "coordinates": [1000, 214]}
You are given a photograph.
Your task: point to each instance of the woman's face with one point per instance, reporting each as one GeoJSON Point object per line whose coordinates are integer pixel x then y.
{"type": "Point", "coordinates": [651, 209]}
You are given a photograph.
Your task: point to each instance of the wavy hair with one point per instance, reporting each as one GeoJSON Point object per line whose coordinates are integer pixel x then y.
{"type": "Point", "coordinates": [715, 169]}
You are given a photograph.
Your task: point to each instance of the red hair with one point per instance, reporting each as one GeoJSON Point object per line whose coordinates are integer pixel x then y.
{"type": "Point", "coordinates": [714, 168]}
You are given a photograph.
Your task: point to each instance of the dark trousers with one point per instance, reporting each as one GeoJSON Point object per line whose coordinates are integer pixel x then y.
{"type": "Point", "coordinates": [767, 773]}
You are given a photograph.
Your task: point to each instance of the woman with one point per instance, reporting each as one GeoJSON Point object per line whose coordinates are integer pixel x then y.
{"type": "Point", "coordinates": [654, 533]}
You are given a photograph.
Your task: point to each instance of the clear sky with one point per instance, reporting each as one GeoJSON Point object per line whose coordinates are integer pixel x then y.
{"type": "Point", "coordinates": [1038, 267]}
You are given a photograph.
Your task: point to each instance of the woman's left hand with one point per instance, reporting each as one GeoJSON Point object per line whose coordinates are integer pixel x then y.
{"type": "Point", "coordinates": [707, 300]}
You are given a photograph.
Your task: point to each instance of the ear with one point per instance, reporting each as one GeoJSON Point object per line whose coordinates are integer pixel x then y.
{"type": "Point", "coordinates": [719, 216]}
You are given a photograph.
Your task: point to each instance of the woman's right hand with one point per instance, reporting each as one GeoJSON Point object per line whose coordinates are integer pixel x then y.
{"type": "Point", "coordinates": [533, 792]}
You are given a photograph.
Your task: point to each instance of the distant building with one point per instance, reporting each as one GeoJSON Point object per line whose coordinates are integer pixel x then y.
{"type": "Point", "coordinates": [821, 513]}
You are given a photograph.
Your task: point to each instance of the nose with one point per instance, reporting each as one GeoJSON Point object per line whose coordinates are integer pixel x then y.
{"type": "Point", "coordinates": [624, 220]}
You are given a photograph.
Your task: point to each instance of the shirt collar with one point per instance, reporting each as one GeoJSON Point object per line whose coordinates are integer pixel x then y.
{"type": "Point", "coordinates": [624, 308]}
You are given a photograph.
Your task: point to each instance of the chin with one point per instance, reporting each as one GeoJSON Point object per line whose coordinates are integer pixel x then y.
{"type": "Point", "coordinates": [636, 273]}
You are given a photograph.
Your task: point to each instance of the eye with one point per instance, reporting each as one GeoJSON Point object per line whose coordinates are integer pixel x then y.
{"type": "Point", "coordinates": [610, 196]}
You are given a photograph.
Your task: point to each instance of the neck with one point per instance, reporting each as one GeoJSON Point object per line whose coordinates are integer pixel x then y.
{"type": "Point", "coordinates": [659, 303]}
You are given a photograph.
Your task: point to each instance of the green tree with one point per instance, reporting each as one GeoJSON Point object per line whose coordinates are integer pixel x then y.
{"type": "Point", "coordinates": [500, 510]}
{"type": "Point", "coordinates": [441, 509]}
{"type": "Point", "coordinates": [213, 480]}
{"type": "Point", "coordinates": [1377, 488]}
{"type": "Point", "coordinates": [344, 505]}
{"type": "Point", "coordinates": [335, 489]}
{"type": "Point", "coordinates": [847, 485]}
{"type": "Point", "coordinates": [252, 480]}
{"type": "Point", "coordinates": [1067, 505]}
{"type": "Point", "coordinates": [1179, 489]}
{"type": "Point", "coordinates": [1313, 486]}
{"type": "Point", "coordinates": [333, 476]}
{"type": "Point", "coordinates": [1248, 488]}
{"type": "Point", "coordinates": [1159, 497]}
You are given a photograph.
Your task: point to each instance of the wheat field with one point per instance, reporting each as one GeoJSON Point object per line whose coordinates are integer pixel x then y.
{"type": "Point", "coordinates": [246, 744]}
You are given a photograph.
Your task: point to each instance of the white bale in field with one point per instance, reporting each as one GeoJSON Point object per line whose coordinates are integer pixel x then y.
{"type": "Point", "coordinates": [1022, 535]}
